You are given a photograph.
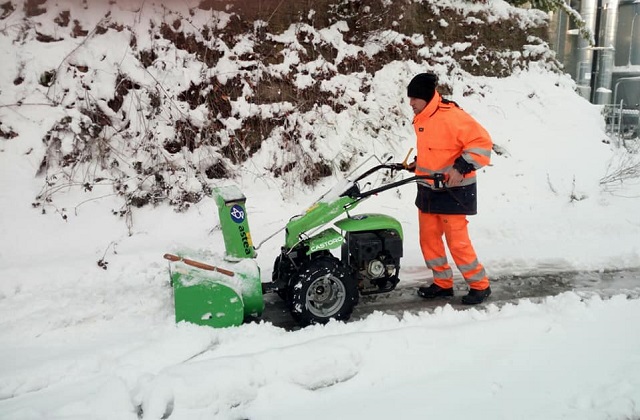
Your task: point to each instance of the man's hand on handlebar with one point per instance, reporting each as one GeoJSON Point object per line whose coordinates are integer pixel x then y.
{"type": "Point", "coordinates": [453, 178]}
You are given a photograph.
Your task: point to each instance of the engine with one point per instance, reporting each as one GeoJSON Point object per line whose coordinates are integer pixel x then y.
{"type": "Point", "coordinates": [375, 258]}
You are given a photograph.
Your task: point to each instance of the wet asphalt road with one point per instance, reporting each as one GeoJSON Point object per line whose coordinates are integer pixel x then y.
{"type": "Point", "coordinates": [505, 289]}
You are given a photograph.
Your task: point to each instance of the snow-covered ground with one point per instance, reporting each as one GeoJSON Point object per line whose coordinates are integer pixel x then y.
{"type": "Point", "coordinates": [81, 342]}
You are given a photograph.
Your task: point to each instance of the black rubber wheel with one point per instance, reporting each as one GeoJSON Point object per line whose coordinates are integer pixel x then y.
{"type": "Point", "coordinates": [323, 290]}
{"type": "Point", "coordinates": [282, 292]}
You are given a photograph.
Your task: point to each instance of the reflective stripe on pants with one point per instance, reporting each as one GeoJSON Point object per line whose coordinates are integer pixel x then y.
{"type": "Point", "coordinates": [454, 229]}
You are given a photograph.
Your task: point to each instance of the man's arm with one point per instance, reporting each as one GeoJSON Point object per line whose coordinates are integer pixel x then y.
{"type": "Point", "coordinates": [476, 151]}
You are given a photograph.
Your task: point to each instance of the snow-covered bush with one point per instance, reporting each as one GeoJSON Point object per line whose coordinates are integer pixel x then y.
{"type": "Point", "coordinates": [183, 98]}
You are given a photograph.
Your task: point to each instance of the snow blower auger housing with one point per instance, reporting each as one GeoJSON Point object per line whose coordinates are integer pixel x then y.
{"type": "Point", "coordinates": [318, 286]}
{"type": "Point", "coordinates": [229, 292]}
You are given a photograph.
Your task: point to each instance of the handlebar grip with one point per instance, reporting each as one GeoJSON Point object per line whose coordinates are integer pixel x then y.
{"type": "Point", "coordinates": [439, 179]}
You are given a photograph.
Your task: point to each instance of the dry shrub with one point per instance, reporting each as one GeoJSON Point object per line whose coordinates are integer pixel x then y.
{"type": "Point", "coordinates": [157, 162]}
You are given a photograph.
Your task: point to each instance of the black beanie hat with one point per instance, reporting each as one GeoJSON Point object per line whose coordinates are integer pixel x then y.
{"type": "Point", "coordinates": [422, 86]}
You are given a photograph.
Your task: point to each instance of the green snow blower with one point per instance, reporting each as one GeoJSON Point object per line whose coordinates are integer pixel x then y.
{"type": "Point", "coordinates": [226, 294]}
{"type": "Point", "coordinates": [316, 285]}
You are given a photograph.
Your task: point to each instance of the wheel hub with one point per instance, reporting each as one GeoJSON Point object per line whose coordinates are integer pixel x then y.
{"type": "Point", "coordinates": [326, 296]}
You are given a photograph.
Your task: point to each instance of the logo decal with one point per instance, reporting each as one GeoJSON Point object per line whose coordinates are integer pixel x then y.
{"type": "Point", "coordinates": [245, 236]}
{"type": "Point", "coordinates": [326, 244]}
{"type": "Point", "coordinates": [237, 213]}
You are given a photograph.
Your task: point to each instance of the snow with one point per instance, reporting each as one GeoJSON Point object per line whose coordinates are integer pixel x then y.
{"type": "Point", "coordinates": [81, 342]}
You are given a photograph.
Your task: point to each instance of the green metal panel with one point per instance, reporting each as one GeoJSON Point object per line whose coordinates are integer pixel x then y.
{"type": "Point", "coordinates": [370, 221]}
{"type": "Point", "coordinates": [213, 299]}
{"type": "Point", "coordinates": [234, 222]}
{"type": "Point", "coordinates": [317, 215]}
{"type": "Point", "coordinates": [325, 240]}
{"type": "Point", "coordinates": [208, 303]}
{"type": "Point", "coordinates": [248, 274]}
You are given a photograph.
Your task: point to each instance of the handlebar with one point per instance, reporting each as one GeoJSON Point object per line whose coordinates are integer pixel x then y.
{"type": "Point", "coordinates": [438, 180]}
{"type": "Point", "coordinates": [376, 168]}
{"type": "Point", "coordinates": [354, 192]}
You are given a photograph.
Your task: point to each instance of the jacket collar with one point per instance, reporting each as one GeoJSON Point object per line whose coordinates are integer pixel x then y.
{"type": "Point", "coordinates": [430, 109]}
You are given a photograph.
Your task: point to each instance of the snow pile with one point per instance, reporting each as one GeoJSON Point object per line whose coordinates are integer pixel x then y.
{"type": "Point", "coordinates": [567, 358]}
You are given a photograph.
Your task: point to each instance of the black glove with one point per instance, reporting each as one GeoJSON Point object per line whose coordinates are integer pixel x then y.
{"type": "Point", "coordinates": [462, 166]}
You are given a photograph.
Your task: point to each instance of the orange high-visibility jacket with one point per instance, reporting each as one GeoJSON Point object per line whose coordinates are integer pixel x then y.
{"type": "Point", "coordinates": [449, 137]}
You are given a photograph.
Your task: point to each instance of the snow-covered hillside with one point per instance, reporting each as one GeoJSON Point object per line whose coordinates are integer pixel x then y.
{"type": "Point", "coordinates": [158, 102]}
{"type": "Point", "coordinates": [80, 340]}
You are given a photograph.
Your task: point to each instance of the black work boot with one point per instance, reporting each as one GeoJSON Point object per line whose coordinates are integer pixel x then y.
{"type": "Point", "coordinates": [476, 296]}
{"type": "Point", "coordinates": [434, 291]}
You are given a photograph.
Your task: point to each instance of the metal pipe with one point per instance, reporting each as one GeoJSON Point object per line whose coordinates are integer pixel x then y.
{"type": "Point", "coordinates": [609, 20]}
{"type": "Point", "coordinates": [594, 53]}
{"type": "Point", "coordinates": [633, 25]}
{"type": "Point", "coordinates": [620, 118]}
{"type": "Point", "coordinates": [588, 11]}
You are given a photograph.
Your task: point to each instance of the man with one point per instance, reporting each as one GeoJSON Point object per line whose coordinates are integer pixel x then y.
{"type": "Point", "coordinates": [449, 141]}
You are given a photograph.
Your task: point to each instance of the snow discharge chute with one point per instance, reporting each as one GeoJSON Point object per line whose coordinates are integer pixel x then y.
{"type": "Point", "coordinates": [228, 291]}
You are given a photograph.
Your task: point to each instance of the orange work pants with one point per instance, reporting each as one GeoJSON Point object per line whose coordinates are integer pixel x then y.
{"type": "Point", "coordinates": [454, 229]}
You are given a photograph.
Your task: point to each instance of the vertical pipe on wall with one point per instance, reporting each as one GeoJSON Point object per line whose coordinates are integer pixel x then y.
{"type": "Point", "coordinates": [634, 46]}
{"type": "Point", "coordinates": [606, 52]}
{"type": "Point", "coordinates": [594, 51]}
{"type": "Point", "coordinates": [588, 11]}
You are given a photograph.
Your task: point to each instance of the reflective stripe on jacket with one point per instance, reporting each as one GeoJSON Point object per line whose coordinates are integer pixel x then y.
{"type": "Point", "coordinates": [445, 133]}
